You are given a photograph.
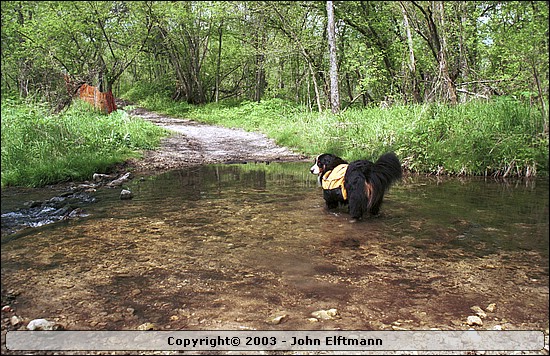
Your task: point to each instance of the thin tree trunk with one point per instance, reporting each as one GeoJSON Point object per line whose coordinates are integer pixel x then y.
{"type": "Point", "coordinates": [541, 100]}
{"type": "Point", "coordinates": [449, 87]}
{"type": "Point", "coordinates": [334, 92]}
{"type": "Point", "coordinates": [412, 61]}
{"type": "Point", "coordinates": [307, 57]}
{"type": "Point", "coordinates": [348, 87]}
{"type": "Point", "coordinates": [438, 45]}
{"type": "Point", "coordinates": [218, 64]}
{"type": "Point", "coordinates": [315, 86]}
{"type": "Point", "coordinates": [260, 70]}
{"type": "Point", "coordinates": [463, 48]}
{"type": "Point", "coordinates": [259, 48]}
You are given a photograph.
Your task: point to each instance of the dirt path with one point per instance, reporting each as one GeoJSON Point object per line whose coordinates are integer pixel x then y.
{"type": "Point", "coordinates": [194, 143]}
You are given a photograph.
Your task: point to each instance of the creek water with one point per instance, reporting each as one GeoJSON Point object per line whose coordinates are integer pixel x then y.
{"type": "Point", "coordinates": [233, 246]}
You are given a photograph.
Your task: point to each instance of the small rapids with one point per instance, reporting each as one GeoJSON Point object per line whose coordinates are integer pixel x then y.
{"type": "Point", "coordinates": [39, 213]}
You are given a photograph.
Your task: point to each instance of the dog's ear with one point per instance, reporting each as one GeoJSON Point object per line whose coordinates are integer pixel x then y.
{"type": "Point", "coordinates": [317, 162]}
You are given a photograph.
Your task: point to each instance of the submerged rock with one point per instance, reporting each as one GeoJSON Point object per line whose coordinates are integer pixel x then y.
{"type": "Point", "coordinates": [474, 320]}
{"type": "Point", "coordinates": [42, 324]}
{"type": "Point", "coordinates": [36, 214]}
{"type": "Point", "coordinates": [325, 314]}
{"type": "Point", "coordinates": [126, 194]}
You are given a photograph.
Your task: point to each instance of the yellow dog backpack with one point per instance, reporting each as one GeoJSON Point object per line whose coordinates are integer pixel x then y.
{"type": "Point", "coordinates": [335, 179]}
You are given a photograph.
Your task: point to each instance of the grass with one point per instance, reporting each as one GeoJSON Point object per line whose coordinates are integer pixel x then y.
{"type": "Point", "coordinates": [39, 148]}
{"type": "Point", "coordinates": [499, 138]}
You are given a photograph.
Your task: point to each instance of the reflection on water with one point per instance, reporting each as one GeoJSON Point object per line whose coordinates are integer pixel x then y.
{"type": "Point", "coordinates": [476, 215]}
{"type": "Point", "coordinates": [253, 239]}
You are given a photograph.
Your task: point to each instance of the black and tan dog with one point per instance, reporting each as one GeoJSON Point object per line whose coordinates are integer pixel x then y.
{"type": "Point", "coordinates": [360, 184]}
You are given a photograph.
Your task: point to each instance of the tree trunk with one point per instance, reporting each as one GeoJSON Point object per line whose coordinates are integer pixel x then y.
{"type": "Point", "coordinates": [541, 99]}
{"type": "Point", "coordinates": [412, 61]}
{"type": "Point", "coordinates": [315, 86]}
{"type": "Point", "coordinates": [194, 90]}
{"type": "Point", "coordinates": [448, 84]}
{"type": "Point", "coordinates": [463, 48]}
{"type": "Point", "coordinates": [218, 63]}
{"type": "Point", "coordinates": [259, 86]}
{"type": "Point", "coordinates": [437, 43]}
{"type": "Point", "coordinates": [334, 93]}
{"type": "Point", "coordinates": [348, 87]}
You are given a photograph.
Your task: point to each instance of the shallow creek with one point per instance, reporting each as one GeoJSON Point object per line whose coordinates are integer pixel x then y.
{"type": "Point", "coordinates": [251, 246]}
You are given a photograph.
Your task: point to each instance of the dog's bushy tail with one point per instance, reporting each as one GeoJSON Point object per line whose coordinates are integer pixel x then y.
{"type": "Point", "coordinates": [386, 171]}
{"type": "Point", "coordinates": [376, 178]}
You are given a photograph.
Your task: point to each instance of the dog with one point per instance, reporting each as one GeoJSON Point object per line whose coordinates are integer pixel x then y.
{"type": "Point", "coordinates": [360, 184]}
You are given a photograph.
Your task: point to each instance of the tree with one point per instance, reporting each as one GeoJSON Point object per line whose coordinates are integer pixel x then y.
{"type": "Point", "coordinates": [334, 93]}
{"type": "Point", "coordinates": [412, 61]}
{"type": "Point", "coordinates": [387, 52]}
{"type": "Point", "coordinates": [295, 31]}
{"type": "Point", "coordinates": [184, 29]}
{"type": "Point", "coordinates": [433, 16]}
{"type": "Point", "coordinates": [514, 51]}
{"type": "Point", "coordinates": [375, 58]}
{"type": "Point", "coordinates": [92, 42]}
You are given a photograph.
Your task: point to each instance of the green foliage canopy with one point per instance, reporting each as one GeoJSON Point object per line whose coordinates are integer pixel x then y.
{"type": "Point", "coordinates": [389, 52]}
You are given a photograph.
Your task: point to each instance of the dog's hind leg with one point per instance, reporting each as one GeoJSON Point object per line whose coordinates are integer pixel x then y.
{"type": "Point", "coordinates": [357, 199]}
{"type": "Point", "coordinates": [374, 200]}
{"type": "Point", "coordinates": [375, 207]}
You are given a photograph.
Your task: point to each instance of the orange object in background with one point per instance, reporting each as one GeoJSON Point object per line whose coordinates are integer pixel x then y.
{"type": "Point", "coordinates": [104, 101]}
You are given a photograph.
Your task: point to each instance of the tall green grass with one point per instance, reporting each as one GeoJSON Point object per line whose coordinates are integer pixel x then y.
{"type": "Point", "coordinates": [39, 148]}
{"type": "Point", "coordinates": [499, 138]}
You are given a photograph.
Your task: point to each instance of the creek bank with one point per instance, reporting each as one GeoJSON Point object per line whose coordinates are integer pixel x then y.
{"type": "Point", "coordinates": [189, 144]}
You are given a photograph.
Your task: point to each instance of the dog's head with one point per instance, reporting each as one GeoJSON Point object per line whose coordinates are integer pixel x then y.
{"type": "Point", "coordinates": [325, 162]}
